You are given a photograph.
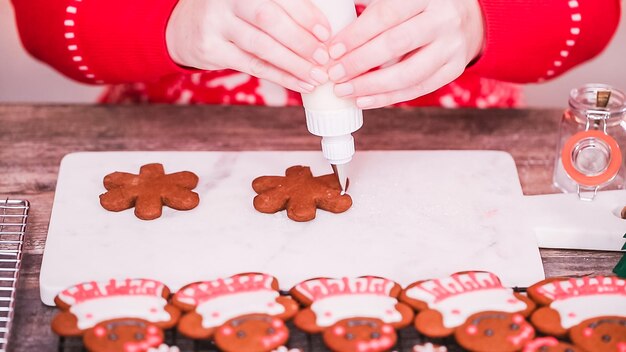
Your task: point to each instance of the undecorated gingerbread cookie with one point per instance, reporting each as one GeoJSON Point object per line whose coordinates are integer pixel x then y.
{"type": "Point", "coordinates": [354, 314]}
{"type": "Point", "coordinates": [494, 332]}
{"type": "Point", "coordinates": [149, 191]}
{"type": "Point", "coordinates": [605, 334]}
{"type": "Point", "coordinates": [446, 303]}
{"type": "Point", "coordinates": [241, 313]}
{"type": "Point", "coordinates": [567, 302]}
{"type": "Point", "coordinates": [549, 344]}
{"type": "Point", "coordinates": [300, 194]}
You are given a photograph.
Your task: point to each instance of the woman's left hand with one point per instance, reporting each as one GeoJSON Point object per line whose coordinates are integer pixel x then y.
{"type": "Point", "coordinates": [420, 44]}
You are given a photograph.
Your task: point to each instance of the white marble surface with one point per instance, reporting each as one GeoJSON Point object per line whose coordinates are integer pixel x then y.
{"type": "Point", "coordinates": [416, 215]}
{"type": "Point", "coordinates": [564, 221]}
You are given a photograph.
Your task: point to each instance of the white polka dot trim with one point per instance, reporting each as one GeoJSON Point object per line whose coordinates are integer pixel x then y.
{"type": "Point", "coordinates": [574, 31]}
{"type": "Point", "coordinates": [73, 47]}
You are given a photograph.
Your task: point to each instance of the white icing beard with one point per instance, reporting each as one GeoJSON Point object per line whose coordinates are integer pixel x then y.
{"type": "Point", "coordinates": [332, 309]}
{"type": "Point", "coordinates": [92, 312]}
{"type": "Point", "coordinates": [456, 309]}
{"type": "Point", "coordinates": [577, 309]}
{"type": "Point", "coordinates": [217, 311]}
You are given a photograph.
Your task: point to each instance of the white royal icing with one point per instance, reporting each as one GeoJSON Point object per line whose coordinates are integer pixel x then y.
{"type": "Point", "coordinates": [164, 348]}
{"type": "Point", "coordinates": [334, 308]}
{"type": "Point", "coordinates": [456, 309]}
{"type": "Point", "coordinates": [577, 309]}
{"type": "Point", "coordinates": [90, 313]}
{"type": "Point", "coordinates": [429, 347]}
{"type": "Point", "coordinates": [218, 310]}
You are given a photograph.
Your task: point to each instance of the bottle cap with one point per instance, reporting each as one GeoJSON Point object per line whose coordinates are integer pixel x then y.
{"type": "Point", "coordinates": [338, 150]}
{"type": "Point", "coordinates": [329, 123]}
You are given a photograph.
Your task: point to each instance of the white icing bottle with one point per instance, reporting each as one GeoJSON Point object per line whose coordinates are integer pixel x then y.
{"type": "Point", "coordinates": [328, 116]}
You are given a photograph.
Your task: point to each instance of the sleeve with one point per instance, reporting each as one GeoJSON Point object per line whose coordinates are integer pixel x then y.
{"type": "Point", "coordinates": [536, 40]}
{"type": "Point", "coordinates": [92, 41]}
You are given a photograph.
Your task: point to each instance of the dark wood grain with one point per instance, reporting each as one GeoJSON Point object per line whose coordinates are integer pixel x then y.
{"type": "Point", "coordinates": [34, 139]}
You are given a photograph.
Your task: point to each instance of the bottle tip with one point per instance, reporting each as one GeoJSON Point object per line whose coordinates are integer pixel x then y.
{"type": "Point", "coordinates": [340, 171]}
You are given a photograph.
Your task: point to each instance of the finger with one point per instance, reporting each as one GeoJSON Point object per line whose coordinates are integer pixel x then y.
{"type": "Point", "coordinates": [239, 60]}
{"type": "Point", "coordinates": [308, 16]}
{"type": "Point", "coordinates": [272, 19]}
{"type": "Point", "coordinates": [443, 76]}
{"type": "Point", "coordinates": [412, 70]}
{"type": "Point", "coordinates": [392, 44]}
{"type": "Point", "coordinates": [261, 45]}
{"type": "Point", "coordinates": [377, 18]}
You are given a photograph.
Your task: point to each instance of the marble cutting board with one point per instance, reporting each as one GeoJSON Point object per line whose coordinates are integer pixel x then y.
{"type": "Point", "coordinates": [416, 215]}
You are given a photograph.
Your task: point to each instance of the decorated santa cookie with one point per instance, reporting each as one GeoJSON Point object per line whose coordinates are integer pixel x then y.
{"type": "Point", "coordinates": [604, 334]}
{"type": "Point", "coordinates": [446, 303]}
{"type": "Point", "coordinates": [354, 314]}
{"type": "Point", "coordinates": [549, 344]}
{"type": "Point", "coordinates": [124, 335]}
{"type": "Point", "coordinates": [87, 304]}
{"type": "Point", "coordinates": [567, 302]}
{"type": "Point", "coordinates": [494, 332]}
{"type": "Point", "coordinates": [241, 313]}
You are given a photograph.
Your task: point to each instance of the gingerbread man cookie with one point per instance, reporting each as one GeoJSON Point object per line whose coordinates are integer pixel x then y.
{"type": "Point", "coordinates": [605, 334]}
{"type": "Point", "coordinates": [149, 191]}
{"type": "Point", "coordinates": [494, 332]}
{"type": "Point", "coordinates": [549, 344]}
{"type": "Point", "coordinates": [354, 314]}
{"type": "Point", "coordinates": [446, 303]}
{"type": "Point", "coordinates": [567, 302]}
{"type": "Point", "coordinates": [300, 194]}
{"type": "Point", "coordinates": [241, 313]}
{"type": "Point", "coordinates": [123, 335]}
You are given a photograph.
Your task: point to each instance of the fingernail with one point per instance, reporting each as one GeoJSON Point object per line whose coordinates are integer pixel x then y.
{"type": "Point", "coordinates": [319, 76]}
{"type": "Point", "coordinates": [337, 50]}
{"type": "Point", "coordinates": [344, 89]}
{"type": "Point", "coordinates": [306, 86]}
{"type": "Point", "coordinates": [337, 72]}
{"type": "Point", "coordinates": [321, 56]}
{"type": "Point", "coordinates": [364, 102]}
{"type": "Point", "coordinates": [321, 32]}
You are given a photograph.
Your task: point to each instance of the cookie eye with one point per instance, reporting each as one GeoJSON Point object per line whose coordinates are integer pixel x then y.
{"type": "Point", "coordinates": [349, 336]}
{"type": "Point", "coordinates": [546, 349]}
{"type": "Point", "coordinates": [488, 332]}
{"type": "Point", "coordinates": [241, 334]}
{"type": "Point", "coordinates": [139, 336]}
{"type": "Point", "coordinates": [271, 331]}
{"type": "Point", "coordinates": [514, 326]}
{"type": "Point", "coordinates": [112, 337]}
{"type": "Point", "coordinates": [606, 338]}
{"type": "Point", "coordinates": [375, 335]}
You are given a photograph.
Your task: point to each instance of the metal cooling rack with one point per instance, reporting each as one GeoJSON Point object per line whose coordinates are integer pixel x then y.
{"type": "Point", "coordinates": [13, 217]}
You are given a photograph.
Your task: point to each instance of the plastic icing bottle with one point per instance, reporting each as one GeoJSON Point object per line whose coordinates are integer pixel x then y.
{"type": "Point", "coordinates": [328, 116]}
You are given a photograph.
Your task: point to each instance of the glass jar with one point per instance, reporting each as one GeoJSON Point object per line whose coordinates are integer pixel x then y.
{"type": "Point", "coordinates": [592, 130]}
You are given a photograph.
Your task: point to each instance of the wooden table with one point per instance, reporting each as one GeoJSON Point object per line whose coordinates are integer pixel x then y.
{"type": "Point", "coordinates": [33, 139]}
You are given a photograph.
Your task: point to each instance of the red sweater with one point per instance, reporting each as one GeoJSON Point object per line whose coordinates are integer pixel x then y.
{"type": "Point", "coordinates": [122, 43]}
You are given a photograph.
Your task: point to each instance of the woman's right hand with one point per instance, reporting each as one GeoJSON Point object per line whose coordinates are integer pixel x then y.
{"type": "Point", "coordinates": [278, 40]}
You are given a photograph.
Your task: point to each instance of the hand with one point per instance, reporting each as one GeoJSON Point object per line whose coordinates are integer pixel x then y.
{"type": "Point", "coordinates": [278, 40]}
{"type": "Point", "coordinates": [432, 41]}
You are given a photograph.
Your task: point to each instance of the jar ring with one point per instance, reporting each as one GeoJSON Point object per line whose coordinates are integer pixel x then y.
{"type": "Point", "coordinates": [614, 153]}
